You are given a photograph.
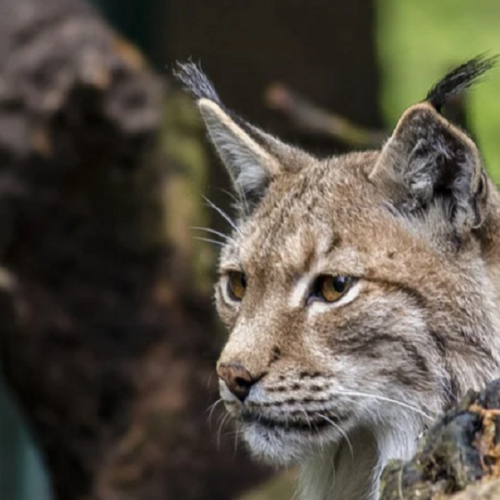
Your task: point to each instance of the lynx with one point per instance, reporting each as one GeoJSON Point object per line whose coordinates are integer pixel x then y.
{"type": "Point", "coordinates": [360, 291]}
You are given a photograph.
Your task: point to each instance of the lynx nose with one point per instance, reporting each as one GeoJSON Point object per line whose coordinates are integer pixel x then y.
{"type": "Point", "coordinates": [237, 378]}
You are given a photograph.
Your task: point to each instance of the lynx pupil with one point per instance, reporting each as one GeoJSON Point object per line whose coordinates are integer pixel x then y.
{"type": "Point", "coordinates": [340, 284]}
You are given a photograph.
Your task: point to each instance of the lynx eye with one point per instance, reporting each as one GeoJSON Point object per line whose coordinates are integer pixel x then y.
{"type": "Point", "coordinates": [332, 288]}
{"type": "Point", "coordinates": [236, 285]}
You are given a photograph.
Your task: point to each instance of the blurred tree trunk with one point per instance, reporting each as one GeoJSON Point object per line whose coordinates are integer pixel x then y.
{"type": "Point", "coordinates": [104, 337]}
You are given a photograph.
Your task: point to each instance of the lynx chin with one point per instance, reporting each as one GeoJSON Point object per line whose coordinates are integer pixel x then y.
{"type": "Point", "coordinates": [361, 292]}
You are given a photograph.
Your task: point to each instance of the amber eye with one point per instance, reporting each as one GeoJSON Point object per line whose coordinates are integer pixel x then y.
{"type": "Point", "coordinates": [237, 285]}
{"type": "Point", "coordinates": [331, 288]}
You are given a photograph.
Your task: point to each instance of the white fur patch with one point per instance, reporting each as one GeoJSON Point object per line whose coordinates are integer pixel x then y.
{"type": "Point", "coordinates": [301, 291]}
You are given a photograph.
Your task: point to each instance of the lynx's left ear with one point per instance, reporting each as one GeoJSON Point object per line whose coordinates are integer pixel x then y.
{"type": "Point", "coordinates": [429, 162]}
{"type": "Point", "coordinates": [252, 157]}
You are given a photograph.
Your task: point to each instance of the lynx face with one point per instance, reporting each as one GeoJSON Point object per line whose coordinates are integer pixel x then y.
{"type": "Point", "coordinates": [360, 292]}
{"type": "Point", "coordinates": [331, 319]}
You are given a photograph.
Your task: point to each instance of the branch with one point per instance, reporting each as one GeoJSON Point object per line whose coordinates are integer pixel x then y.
{"type": "Point", "coordinates": [313, 119]}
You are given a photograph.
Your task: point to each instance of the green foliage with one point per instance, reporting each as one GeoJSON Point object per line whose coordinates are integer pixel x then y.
{"type": "Point", "coordinates": [420, 40]}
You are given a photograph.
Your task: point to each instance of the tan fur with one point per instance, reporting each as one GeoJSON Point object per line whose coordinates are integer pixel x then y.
{"type": "Point", "coordinates": [331, 217]}
{"type": "Point", "coordinates": [340, 388]}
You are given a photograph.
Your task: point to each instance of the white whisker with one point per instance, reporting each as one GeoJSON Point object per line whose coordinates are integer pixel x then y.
{"type": "Point", "coordinates": [210, 379]}
{"type": "Point", "coordinates": [219, 431]}
{"type": "Point", "coordinates": [238, 201]}
{"type": "Point", "coordinates": [386, 399]}
{"type": "Point", "coordinates": [231, 195]}
{"type": "Point", "coordinates": [211, 410]}
{"type": "Point", "coordinates": [237, 433]}
{"type": "Point", "coordinates": [213, 231]}
{"type": "Point", "coordinates": [344, 434]}
{"type": "Point", "coordinates": [221, 213]}
{"type": "Point", "coordinates": [308, 420]}
{"type": "Point", "coordinates": [209, 240]}
{"type": "Point", "coordinates": [243, 198]}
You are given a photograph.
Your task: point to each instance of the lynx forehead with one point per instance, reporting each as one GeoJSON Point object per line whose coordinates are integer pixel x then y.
{"type": "Point", "coordinates": [360, 291]}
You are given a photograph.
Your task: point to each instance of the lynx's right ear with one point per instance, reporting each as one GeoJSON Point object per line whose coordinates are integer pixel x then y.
{"type": "Point", "coordinates": [252, 157]}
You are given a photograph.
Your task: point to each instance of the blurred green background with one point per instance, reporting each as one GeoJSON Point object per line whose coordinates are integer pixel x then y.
{"type": "Point", "coordinates": [419, 41]}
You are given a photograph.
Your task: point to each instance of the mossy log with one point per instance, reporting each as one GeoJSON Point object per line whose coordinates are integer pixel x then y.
{"type": "Point", "coordinates": [458, 458]}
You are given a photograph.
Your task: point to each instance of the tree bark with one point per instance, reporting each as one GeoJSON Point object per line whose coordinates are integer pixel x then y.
{"type": "Point", "coordinates": [459, 457]}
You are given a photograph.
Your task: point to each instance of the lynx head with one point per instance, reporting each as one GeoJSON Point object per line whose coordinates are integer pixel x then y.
{"type": "Point", "coordinates": [352, 287]}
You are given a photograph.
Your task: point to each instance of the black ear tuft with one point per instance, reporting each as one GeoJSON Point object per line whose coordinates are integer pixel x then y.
{"type": "Point", "coordinates": [459, 80]}
{"type": "Point", "coordinates": [246, 151]}
{"type": "Point", "coordinates": [196, 82]}
{"type": "Point", "coordinates": [252, 157]}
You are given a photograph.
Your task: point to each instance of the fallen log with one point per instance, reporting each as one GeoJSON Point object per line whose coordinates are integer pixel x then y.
{"type": "Point", "coordinates": [459, 458]}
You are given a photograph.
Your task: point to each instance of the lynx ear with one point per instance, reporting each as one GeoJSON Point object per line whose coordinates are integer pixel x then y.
{"type": "Point", "coordinates": [428, 162]}
{"type": "Point", "coordinates": [250, 165]}
{"type": "Point", "coordinates": [252, 157]}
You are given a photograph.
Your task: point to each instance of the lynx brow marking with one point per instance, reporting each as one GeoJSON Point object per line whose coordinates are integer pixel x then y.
{"type": "Point", "coordinates": [301, 290]}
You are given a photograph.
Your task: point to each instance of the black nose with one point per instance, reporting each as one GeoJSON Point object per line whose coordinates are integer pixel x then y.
{"type": "Point", "coordinates": [237, 378]}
